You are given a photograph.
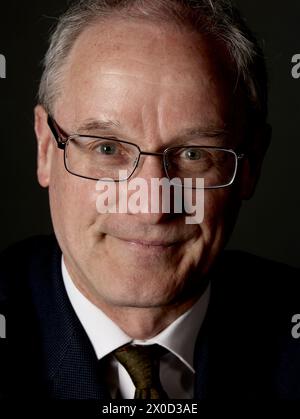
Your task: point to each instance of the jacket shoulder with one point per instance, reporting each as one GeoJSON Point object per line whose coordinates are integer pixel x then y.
{"type": "Point", "coordinates": [250, 260]}
{"type": "Point", "coordinates": [254, 278]}
{"type": "Point", "coordinates": [21, 258]}
{"type": "Point", "coordinates": [247, 264]}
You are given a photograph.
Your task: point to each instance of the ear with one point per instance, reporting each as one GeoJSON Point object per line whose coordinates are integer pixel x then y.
{"type": "Point", "coordinates": [252, 162]}
{"type": "Point", "coordinates": [45, 146]}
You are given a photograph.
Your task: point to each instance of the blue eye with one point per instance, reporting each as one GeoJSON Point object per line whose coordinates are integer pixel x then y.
{"type": "Point", "coordinates": [193, 154]}
{"type": "Point", "coordinates": [107, 149]}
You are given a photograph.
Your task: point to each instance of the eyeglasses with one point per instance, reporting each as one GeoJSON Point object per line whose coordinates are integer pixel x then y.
{"type": "Point", "coordinates": [104, 158]}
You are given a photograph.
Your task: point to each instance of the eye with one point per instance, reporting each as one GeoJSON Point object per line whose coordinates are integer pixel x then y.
{"type": "Point", "coordinates": [193, 154]}
{"type": "Point", "coordinates": [108, 148]}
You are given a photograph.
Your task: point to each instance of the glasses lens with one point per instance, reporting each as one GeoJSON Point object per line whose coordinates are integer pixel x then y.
{"type": "Point", "coordinates": [216, 166]}
{"type": "Point", "coordinates": [97, 158]}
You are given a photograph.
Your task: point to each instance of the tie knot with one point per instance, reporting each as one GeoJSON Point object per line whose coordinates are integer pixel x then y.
{"type": "Point", "coordinates": [142, 364]}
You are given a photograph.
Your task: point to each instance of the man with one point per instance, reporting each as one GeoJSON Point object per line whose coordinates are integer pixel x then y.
{"type": "Point", "coordinates": [150, 90]}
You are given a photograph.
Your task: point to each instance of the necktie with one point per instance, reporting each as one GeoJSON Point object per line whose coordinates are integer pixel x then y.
{"type": "Point", "coordinates": [142, 364]}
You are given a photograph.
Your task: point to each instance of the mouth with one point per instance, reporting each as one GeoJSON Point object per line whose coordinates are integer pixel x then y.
{"type": "Point", "coordinates": [150, 244]}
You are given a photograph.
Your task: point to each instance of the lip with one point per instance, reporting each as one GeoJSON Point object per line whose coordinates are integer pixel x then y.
{"type": "Point", "coordinates": [150, 243]}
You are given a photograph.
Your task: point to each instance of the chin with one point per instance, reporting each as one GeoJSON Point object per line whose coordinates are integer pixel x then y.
{"type": "Point", "coordinates": [147, 289]}
{"type": "Point", "coordinates": [149, 301]}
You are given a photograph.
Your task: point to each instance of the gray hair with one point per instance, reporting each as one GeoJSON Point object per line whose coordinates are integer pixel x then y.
{"type": "Point", "coordinates": [218, 18]}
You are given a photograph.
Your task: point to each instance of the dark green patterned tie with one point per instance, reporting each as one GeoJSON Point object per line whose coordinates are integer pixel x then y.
{"type": "Point", "coordinates": [142, 364]}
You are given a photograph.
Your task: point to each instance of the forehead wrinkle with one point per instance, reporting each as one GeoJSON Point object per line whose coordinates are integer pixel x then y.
{"type": "Point", "coordinates": [163, 81]}
{"type": "Point", "coordinates": [135, 77]}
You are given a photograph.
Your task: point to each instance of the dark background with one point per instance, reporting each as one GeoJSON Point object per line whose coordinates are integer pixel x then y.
{"type": "Point", "coordinates": [269, 224]}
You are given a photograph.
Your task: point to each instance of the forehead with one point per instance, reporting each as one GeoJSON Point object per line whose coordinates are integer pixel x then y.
{"type": "Point", "coordinates": [154, 48]}
{"type": "Point", "coordinates": [116, 63]}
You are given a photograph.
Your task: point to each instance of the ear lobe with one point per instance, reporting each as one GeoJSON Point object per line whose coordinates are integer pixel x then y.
{"type": "Point", "coordinates": [45, 146]}
{"type": "Point", "coordinates": [252, 163]}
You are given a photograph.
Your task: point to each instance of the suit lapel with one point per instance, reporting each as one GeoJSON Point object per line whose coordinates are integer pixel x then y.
{"type": "Point", "coordinates": [233, 351]}
{"type": "Point", "coordinates": [72, 370]}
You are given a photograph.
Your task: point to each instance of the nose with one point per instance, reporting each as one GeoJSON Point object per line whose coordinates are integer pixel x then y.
{"type": "Point", "coordinates": [157, 197]}
{"type": "Point", "coordinates": [150, 166]}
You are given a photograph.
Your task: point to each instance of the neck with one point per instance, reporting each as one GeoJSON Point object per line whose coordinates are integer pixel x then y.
{"type": "Point", "coordinates": [144, 323]}
{"type": "Point", "coordinates": [140, 322]}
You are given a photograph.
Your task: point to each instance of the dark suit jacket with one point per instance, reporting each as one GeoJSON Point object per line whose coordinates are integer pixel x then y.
{"type": "Point", "coordinates": [245, 349]}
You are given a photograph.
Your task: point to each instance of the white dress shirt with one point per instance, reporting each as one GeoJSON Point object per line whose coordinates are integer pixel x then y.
{"type": "Point", "coordinates": [176, 367]}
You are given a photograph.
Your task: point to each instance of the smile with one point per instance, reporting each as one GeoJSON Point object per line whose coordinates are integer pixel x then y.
{"type": "Point", "coordinates": [150, 244]}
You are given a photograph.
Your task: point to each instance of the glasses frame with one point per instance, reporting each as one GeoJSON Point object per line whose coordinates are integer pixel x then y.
{"type": "Point", "coordinates": [62, 139]}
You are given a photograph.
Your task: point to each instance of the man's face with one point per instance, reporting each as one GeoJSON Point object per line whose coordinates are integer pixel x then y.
{"type": "Point", "coordinates": [155, 84]}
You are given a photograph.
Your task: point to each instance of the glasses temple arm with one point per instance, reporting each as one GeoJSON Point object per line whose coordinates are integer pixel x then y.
{"type": "Point", "coordinates": [59, 134]}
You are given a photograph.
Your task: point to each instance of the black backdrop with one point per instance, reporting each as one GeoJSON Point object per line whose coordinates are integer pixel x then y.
{"type": "Point", "coordinates": [269, 223]}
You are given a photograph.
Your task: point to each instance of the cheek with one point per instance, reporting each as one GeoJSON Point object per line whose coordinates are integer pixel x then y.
{"type": "Point", "coordinates": [213, 231]}
{"type": "Point", "coordinates": [221, 211]}
{"type": "Point", "coordinates": [215, 202]}
{"type": "Point", "coordinates": [216, 212]}
{"type": "Point", "coordinates": [72, 199]}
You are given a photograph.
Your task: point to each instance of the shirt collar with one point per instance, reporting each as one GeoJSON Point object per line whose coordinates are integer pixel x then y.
{"type": "Point", "coordinates": [106, 336]}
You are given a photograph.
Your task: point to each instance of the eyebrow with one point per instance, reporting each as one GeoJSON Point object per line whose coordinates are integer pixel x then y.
{"type": "Point", "coordinates": [97, 124]}
{"type": "Point", "coordinates": [210, 131]}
